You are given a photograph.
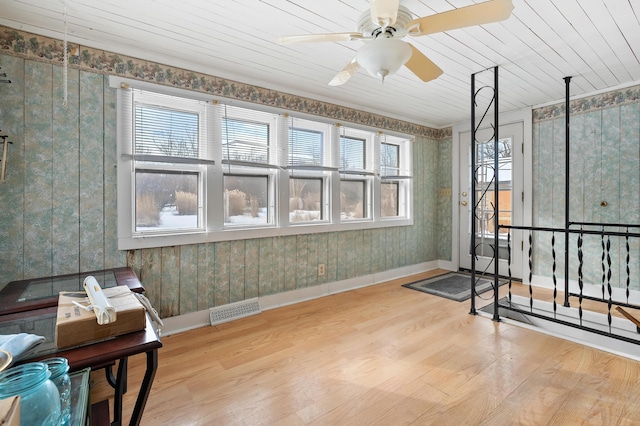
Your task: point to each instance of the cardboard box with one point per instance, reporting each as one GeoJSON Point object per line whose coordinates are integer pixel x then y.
{"type": "Point", "coordinates": [75, 326]}
{"type": "Point", "coordinates": [10, 411]}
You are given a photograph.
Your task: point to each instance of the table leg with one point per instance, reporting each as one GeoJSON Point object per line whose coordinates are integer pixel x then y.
{"type": "Point", "coordinates": [145, 387]}
{"type": "Point", "coordinates": [108, 371]}
{"type": "Point", "coordinates": [120, 389]}
{"type": "Point", "coordinates": [112, 380]}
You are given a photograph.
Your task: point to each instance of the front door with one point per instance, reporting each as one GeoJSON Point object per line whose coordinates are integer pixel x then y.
{"type": "Point", "coordinates": [510, 198]}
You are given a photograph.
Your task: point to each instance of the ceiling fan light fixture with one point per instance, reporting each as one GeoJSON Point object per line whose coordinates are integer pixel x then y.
{"type": "Point", "coordinates": [384, 56]}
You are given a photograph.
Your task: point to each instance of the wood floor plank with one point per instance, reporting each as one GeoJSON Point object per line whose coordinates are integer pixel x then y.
{"type": "Point", "coordinates": [381, 355]}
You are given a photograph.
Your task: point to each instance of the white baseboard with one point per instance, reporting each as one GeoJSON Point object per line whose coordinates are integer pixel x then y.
{"type": "Point", "coordinates": [199, 319]}
{"type": "Point", "coordinates": [448, 265]}
{"type": "Point", "coordinates": [594, 320]}
{"type": "Point", "coordinates": [592, 290]}
{"type": "Point", "coordinates": [180, 323]}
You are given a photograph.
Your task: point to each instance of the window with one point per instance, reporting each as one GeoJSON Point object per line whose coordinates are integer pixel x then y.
{"type": "Point", "coordinates": [309, 166]}
{"type": "Point", "coordinates": [389, 159]}
{"type": "Point", "coordinates": [305, 199]}
{"type": "Point", "coordinates": [167, 152]}
{"type": "Point", "coordinates": [308, 145]}
{"type": "Point", "coordinates": [485, 191]}
{"type": "Point", "coordinates": [395, 176]}
{"type": "Point", "coordinates": [165, 132]}
{"type": "Point", "coordinates": [191, 170]}
{"type": "Point", "coordinates": [353, 199]}
{"type": "Point", "coordinates": [245, 141]}
{"type": "Point", "coordinates": [389, 199]}
{"type": "Point", "coordinates": [305, 147]}
{"type": "Point", "coordinates": [248, 166]}
{"type": "Point", "coordinates": [166, 200]}
{"type": "Point", "coordinates": [356, 174]}
{"type": "Point", "coordinates": [352, 153]}
{"type": "Point", "coordinates": [246, 199]}
{"type": "Point", "coordinates": [389, 166]}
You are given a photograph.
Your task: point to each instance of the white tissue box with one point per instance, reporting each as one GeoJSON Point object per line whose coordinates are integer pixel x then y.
{"type": "Point", "coordinates": [75, 326]}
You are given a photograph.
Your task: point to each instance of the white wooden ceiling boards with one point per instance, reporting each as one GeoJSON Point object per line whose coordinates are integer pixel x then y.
{"type": "Point", "coordinates": [595, 41]}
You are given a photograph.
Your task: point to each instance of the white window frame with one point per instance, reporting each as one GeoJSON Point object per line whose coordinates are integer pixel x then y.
{"type": "Point", "coordinates": [271, 195]}
{"type": "Point", "coordinates": [213, 227]}
{"type": "Point", "coordinates": [368, 197]}
{"type": "Point", "coordinates": [326, 198]}
{"type": "Point", "coordinates": [128, 236]}
{"type": "Point", "coordinates": [316, 126]}
{"type": "Point", "coordinates": [404, 177]}
{"type": "Point", "coordinates": [322, 171]}
{"type": "Point", "coordinates": [230, 167]}
{"type": "Point", "coordinates": [368, 173]}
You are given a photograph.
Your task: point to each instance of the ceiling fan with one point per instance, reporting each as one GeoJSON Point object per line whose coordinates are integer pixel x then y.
{"type": "Point", "coordinates": [383, 27]}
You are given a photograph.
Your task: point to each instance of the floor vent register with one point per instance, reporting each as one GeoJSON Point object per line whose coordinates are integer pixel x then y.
{"type": "Point", "coordinates": [234, 311]}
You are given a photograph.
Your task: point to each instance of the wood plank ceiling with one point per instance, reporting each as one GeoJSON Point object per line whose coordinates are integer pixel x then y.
{"type": "Point", "coordinates": [595, 41]}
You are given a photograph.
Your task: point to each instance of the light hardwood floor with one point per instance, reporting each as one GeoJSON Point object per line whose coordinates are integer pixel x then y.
{"type": "Point", "coordinates": [381, 355]}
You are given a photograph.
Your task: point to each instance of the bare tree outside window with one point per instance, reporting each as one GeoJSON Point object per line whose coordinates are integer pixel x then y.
{"type": "Point", "coordinates": [389, 159]}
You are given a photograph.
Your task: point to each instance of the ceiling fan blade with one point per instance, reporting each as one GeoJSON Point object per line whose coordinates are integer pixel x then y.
{"type": "Point", "coordinates": [384, 12]}
{"type": "Point", "coordinates": [346, 73]}
{"type": "Point", "coordinates": [475, 14]}
{"type": "Point", "coordinates": [422, 66]}
{"type": "Point", "coordinates": [314, 38]}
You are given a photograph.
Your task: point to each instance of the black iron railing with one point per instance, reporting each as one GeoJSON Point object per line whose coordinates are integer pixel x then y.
{"type": "Point", "coordinates": [606, 231]}
{"type": "Point", "coordinates": [575, 297]}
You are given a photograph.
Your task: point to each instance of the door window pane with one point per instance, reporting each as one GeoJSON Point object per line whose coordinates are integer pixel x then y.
{"type": "Point", "coordinates": [485, 194]}
{"type": "Point", "coordinates": [305, 202]}
{"type": "Point", "coordinates": [166, 200]}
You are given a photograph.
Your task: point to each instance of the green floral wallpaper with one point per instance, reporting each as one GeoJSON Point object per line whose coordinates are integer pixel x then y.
{"type": "Point", "coordinates": [604, 182]}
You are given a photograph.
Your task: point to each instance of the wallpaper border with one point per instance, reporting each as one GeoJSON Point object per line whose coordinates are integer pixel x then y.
{"type": "Point", "coordinates": [589, 103]}
{"type": "Point", "coordinates": [45, 49]}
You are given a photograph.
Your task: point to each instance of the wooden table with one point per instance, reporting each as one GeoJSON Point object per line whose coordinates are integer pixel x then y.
{"type": "Point", "coordinates": [104, 354]}
{"type": "Point", "coordinates": [42, 292]}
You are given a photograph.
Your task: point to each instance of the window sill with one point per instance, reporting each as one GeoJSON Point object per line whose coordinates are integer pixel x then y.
{"type": "Point", "coordinates": [233, 234]}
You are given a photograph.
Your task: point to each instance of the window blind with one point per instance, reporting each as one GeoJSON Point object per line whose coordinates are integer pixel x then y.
{"type": "Point", "coordinates": [305, 147]}
{"type": "Point", "coordinates": [248, 137]}
{"type": "Point", "coordinates": [169, 129]}
{"type": "Point", "coordinates": [352, 154]}
{"type": "Point", "coordinates": [308, 145]}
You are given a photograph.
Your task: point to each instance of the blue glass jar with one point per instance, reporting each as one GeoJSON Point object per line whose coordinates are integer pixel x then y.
{"type": "Point", "coordinates": [59, 369]}
{"type": "Point", "coordinates": [39, 397]}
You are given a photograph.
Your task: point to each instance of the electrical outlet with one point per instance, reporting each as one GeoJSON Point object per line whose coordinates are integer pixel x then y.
{"type": "Point", "coordinates": [321, 270]}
